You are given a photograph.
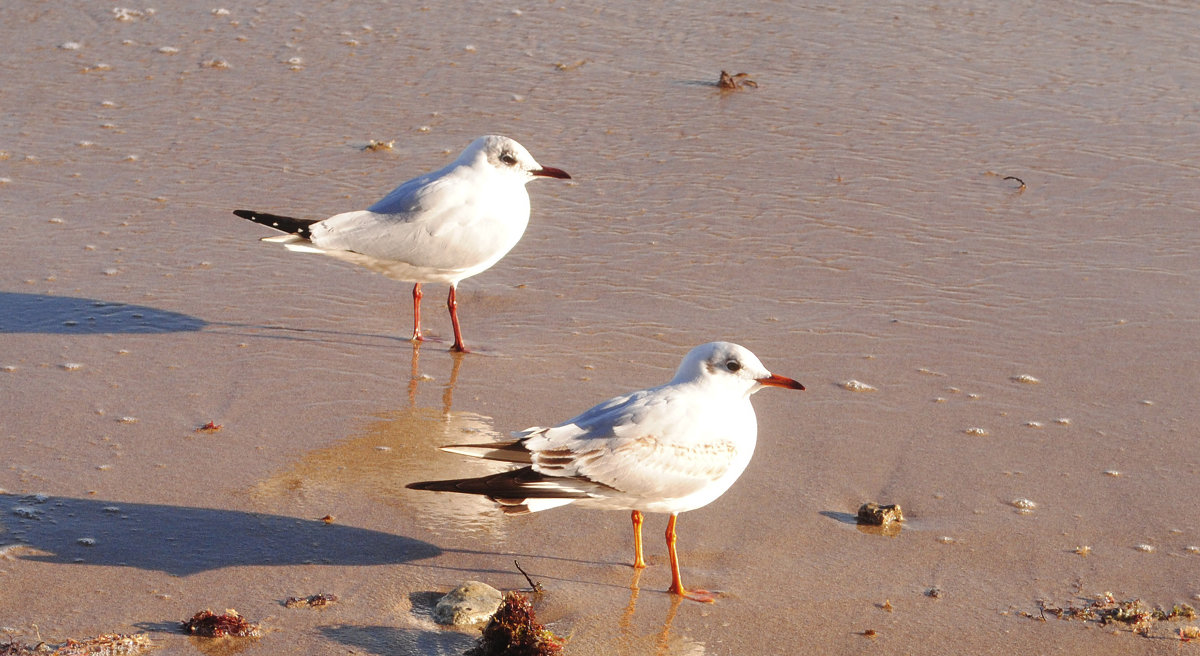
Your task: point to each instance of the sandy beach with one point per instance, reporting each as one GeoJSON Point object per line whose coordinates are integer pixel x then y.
{"type": "Point", "coordinates": [970, 229]}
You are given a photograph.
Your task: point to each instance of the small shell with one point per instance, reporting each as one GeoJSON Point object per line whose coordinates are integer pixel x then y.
{"type": "Point", "coordinates": [858, 386]}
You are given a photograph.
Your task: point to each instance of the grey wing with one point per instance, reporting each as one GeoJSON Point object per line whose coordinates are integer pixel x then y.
{"type": "Point", "coordinates": [631, 444]}
{"type": "Point", "coordinates": [431, 225]}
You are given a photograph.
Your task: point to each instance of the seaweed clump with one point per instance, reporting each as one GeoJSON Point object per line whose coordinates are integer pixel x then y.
{"type": "Point", "coordinates": [1105, 610]}
{"type": "Point", "coordinates": [109, 644]}
{"type": "Point", "coordinates": [210, 625]}
{"type": "Point", "coordinates": [514, 631]}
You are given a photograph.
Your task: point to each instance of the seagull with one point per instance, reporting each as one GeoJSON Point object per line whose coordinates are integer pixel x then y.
{"type": "Point", "coordinates": [668, 449]}
{"type": "Point", "coordinates": [440, 227]}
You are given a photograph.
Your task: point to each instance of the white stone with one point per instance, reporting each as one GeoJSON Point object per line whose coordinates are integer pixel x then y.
{"type": "Point", "coordinates": [469, 603]}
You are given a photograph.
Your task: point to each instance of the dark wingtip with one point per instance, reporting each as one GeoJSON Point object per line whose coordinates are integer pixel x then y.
{"type": "Point", "coordinates": [287, 224]}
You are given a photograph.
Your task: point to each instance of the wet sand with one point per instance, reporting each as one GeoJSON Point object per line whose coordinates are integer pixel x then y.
{"type": "Point", "coordinates": [849, 219]}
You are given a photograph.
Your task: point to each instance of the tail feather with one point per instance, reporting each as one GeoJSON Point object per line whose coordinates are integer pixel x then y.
{"type": "Point", "coordinates": [299, 227]}
{"type": "Point", "coordinates": [502, 451]}
{"type": "Point", "coordinates": [523, 506]}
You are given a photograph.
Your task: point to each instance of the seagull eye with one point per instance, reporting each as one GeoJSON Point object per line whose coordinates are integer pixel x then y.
{"type": "Point", "coordinates": [508, 158]}
{"type": "Point", "coordinates": [733, 365]}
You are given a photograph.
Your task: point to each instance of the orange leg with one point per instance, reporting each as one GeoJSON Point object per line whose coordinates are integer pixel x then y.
{"type": "Point", "coordinates": [417, 313]}
{"type": "Point", "coordinates": [452, 303]}
{"type": "Point", "coordinates": [638, 561]}
{"type": "Point", "coordinates": [676, 581]}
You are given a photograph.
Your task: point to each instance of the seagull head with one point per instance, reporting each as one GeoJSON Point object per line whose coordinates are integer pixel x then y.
{"type": "Point", "coordinates": [507, 157]}
{"type": "Point", "coordinates": [729, 366]}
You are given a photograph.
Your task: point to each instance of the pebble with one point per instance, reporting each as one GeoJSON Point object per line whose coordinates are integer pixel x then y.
{"type": "Point", "coordinates": [976, 431]}
{"type": "Point", "coordinates": [124, 14]}
{"type": "Point", "coordinates": [875, 514]}
{"type": "Point", "coordinates": [858, 386]}
{"type": "Point", "coordinates": [1023, 504]}
{"type": "Point", "coordinates": [469, 603]}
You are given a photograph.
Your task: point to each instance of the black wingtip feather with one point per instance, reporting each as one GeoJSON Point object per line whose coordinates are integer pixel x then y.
{"type": "Point", "coordinates": [505, 485]}
{"type": "Point", "coordinates": [290, 225]}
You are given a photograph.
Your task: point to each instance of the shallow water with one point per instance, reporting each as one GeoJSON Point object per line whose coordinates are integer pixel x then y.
{"type": "Point", "coordinates": [848, 219]}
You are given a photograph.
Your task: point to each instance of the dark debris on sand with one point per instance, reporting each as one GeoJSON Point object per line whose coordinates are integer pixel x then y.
{"type": "Point", "coordinates": [875, 514]}
{"type": "Point", "coordinates": [734, 81]}
{"type": "Point", "coordinates": [210, 625]}
{"type": "Point", "coordinates": [319, 600]}
{"type": "Point", "coordinates": [1105, 610]}
{"type": "Point", "coordinates": [514, 631]}
{"type": "Point", "coordinates": [109, 644]}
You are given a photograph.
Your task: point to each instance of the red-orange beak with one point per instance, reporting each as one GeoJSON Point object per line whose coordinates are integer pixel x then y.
{"type": "Point", "coordinates": [551, 172]}
{"type": "Point", "coordinates": [775, 380]}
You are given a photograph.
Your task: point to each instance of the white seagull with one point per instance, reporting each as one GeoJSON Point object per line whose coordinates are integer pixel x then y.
{"type": "Point", "coordinates": [440, 227]}
{"type": "Point", "coordinates": [671, 448]}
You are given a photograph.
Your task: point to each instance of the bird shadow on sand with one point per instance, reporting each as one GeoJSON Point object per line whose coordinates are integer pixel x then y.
{"type": "Point", "coordinates": [181, 541]}
{"type": "Point", "coordinates": [68, 315]}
